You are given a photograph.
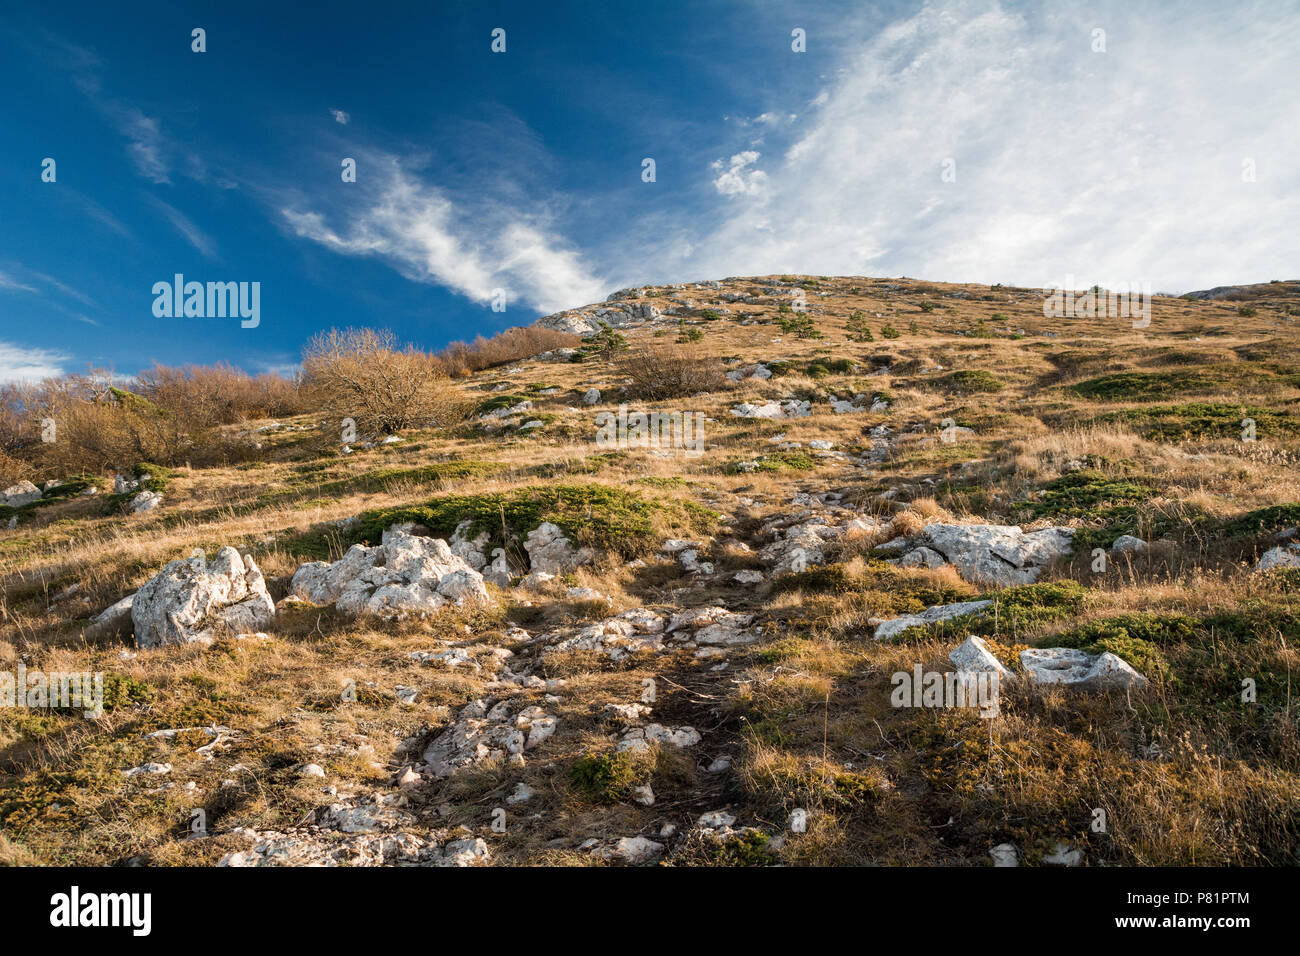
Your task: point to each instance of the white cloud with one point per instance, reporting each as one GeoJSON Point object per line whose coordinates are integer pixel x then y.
{"type": "Point", "coordinates": [9, 282]}
{"type": "Point", "coordinates": [146, 147]}
{"type": "Point", "coordinates": [19, 364]}
{"type": "Point", "coordinates": [182, 224]}
{"type": "Point", "coordinates": [428, 238]}
{"type": "Point", "coordinates": [340, 117]}
{"type": "Point", "coordinates": [734, 180]}
{"type": "Point", "coordinates": [1108, 166]}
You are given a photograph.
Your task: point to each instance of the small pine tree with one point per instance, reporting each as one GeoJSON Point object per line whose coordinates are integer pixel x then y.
{"type": "Point", "coordinates": [858, 330]}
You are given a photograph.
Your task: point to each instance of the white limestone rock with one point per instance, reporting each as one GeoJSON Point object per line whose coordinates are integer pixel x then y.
{"type": "Point", "coordinates": [931, 615]}
{"type": "Point", "coordinates": [551, 552]}
{"type": "Point", "coordinates": [973, 656]}
{"type": "Point", "coordinates": [1280, 557]}
{"type": "Point", "coordinates": [404, 575]}
{"type": "Point", "coordinates": [1071, 667]}
{"type": "Point", "coordinates": [997, 555]}
{"type": "Point", "coordinates": [193, 600]}
{"type": "Point", "coordinates": [23, 493]}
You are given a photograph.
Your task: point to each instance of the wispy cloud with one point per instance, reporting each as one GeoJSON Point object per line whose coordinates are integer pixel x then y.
{"type": "Point", "coordinates": [146, 147]}
{"type": "Point", "coordinates": [20, 364]}
{"type": "Point", "coordinates": [7, 281]}
{"type": "Point", "coordinates": [182, 224]}
{"type": "Point", "coordinates": [1122, 164]}
{"type": "Point", "coordinates": [427, 237]}
{"type": "Point", "coordinates": [340, 117]}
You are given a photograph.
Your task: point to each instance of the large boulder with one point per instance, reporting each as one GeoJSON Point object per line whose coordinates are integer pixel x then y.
{"type": "Point", "coordinates": [405, 574]}
{"type": "Point", "coordinates": [195, 600]}
{"type": "Point", "coordinates": [23, 493]}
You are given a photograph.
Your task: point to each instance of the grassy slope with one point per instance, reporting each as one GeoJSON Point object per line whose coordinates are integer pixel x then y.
{"type": "Point", "coordinates": [1087, 422]}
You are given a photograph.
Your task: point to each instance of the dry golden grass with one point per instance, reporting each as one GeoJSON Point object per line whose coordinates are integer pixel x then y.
{"type": "Point", "coordinates": [1184, 774]}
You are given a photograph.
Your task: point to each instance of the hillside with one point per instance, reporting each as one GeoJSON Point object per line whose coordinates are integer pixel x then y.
{"type": "Point", "coordinates": [683, 649]}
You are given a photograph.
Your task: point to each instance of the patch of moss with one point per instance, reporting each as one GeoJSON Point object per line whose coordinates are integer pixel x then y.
{"type": "Point", "coordinates": [972, 380]}
{"type": "Point", "coordinates": [1137, 638]}
{"type": "Point", "coordinates": [1081, 494]}
{"type": "Point", "coordinates": [593, 515]}
{"type": "Point", "coordinates": [1263, 521]}
{"type": "Point", "coordinates": [1195, 421]}
{"type": "Point", "coordinates": [1028, 606]}
{"type": "Point", "coordinates": [743, 849]}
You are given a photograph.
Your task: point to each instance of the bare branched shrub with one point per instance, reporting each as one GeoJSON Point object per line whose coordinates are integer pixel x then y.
{"type": "Point", "coordinates": [670, 371]}
{"type": "Point", "coordinates": [99, 426]}
{"type": "Point", "coordinates": [361, 374]}
{"type": "Point", "coordinates": [459, 359]}
{"type": "Point", "coordinates": [220, 394]}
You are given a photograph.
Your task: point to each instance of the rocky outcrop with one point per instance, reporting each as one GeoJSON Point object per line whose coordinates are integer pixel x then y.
{"type": "Point", "coordinates": [482, 734]}
{"type": "Point", "coordinates": [988, 554]}
{"type": "Point", "coordinates": [405, 575]}
{"type": "Point", "coordinates": [195, 600]}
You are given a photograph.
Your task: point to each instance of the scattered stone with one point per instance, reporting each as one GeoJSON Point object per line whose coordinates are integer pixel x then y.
{"type": "Point", "coordinates": [973, 656]}
{"type": "Point", "coordinates": [1005, 854]}
{"type": "Point", "coordinates": [791, 408]}
{"type": "Point", "coordinates": [994, 555]}
{"type": "Point", "coordinates": [149, 769]}
{"type": "Point", "coordinates": [23, 493]}
{"type": "Point", "coordinates": [144, 501]}
{"type": "Point", "coordinates": [1075, 668]}
{"type": "Point", "coordinates": [638, 740]}
{"type": "Point", "coordinates": [1128, 544]}
{"type": "Point", "coordinates": [551, 552]}
{"type": "Point", "coordinates": [630, 850]}
{"type": "Point", "coordinates": [480, 735]}
{"type": "Point", "coordinates": [521, 794]}
{"type": "Point", "coordinates": [931, 615]}
{"type": "Point", "coordinates": [1064, 855]}
{"type": "Point", "coordinates": [715, 819]}
{"type": "Point", "coordinates": [1280, 557]}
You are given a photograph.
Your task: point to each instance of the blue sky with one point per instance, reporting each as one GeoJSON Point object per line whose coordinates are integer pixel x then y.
{"type": "Point", "coordinates": [522, 170]}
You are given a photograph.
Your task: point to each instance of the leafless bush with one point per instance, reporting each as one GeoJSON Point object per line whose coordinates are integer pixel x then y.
{"type": "Point", "coordinates": [361, 374]}
{"type": "Point", "coordinates": [670, 371]}
{"type": "Point", "coordinates": [220, 394]}
{"type": "Point", "coordinates": [459, 359]}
